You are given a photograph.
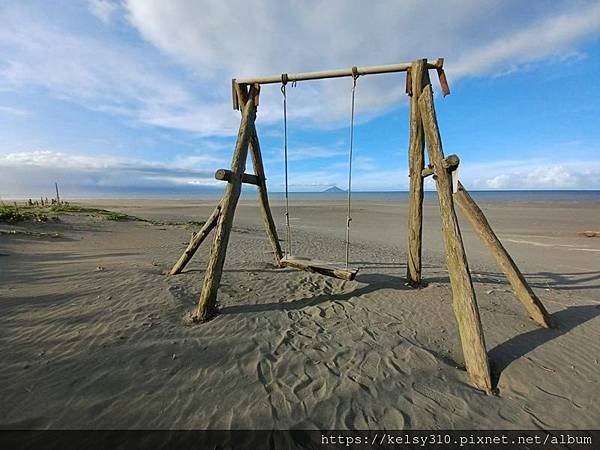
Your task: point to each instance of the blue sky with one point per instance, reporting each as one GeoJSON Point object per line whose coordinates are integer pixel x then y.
{"type": "Point", "coordinates": [115, 97]}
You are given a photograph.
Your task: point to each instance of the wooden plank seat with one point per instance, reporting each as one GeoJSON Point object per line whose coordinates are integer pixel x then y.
{"type": "Point", "coordinates": [324, 268]}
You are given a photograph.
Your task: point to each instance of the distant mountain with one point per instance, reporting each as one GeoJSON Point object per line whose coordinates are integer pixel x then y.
{"type": "Point", "coordinates": [334, 189]}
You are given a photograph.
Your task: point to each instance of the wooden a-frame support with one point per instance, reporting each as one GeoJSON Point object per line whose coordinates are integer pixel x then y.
{"type": "Point", "coordinates": [424, 129]}
{"type": "Point", "coordinates": [424, 132]}
{"type": "Point", "coordinates": [248, 133]}
{"type": "Point", "coordinates": [222, 217]}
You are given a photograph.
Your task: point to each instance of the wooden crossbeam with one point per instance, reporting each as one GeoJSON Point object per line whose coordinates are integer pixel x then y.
{"type": "Point", "coordinates": [226, 175]}
{"type": "Point", "coordinates": [337, 73]}
{"type": "Point", "coordinates": [437, 64]}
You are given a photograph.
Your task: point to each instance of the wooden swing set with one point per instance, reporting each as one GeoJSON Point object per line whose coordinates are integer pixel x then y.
{"type": "Point", "coordinates": [423, 130]}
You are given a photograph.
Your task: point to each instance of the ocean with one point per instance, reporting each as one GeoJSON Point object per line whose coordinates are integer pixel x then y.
{"type": "Point", "coordinates": [249, 193]}
{"type": "Point", "coordinates": [482, 196]}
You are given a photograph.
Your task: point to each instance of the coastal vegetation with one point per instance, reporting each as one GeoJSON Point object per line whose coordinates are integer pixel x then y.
{"type": "Point", "coordinates": [15, 213]}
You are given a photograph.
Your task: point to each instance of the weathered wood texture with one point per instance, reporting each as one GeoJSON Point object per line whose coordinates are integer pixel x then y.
{"type": "Point", "coordinates": [419, 78]}
{"type": "Point", "coordinates": [464, 301]}
{"type": "Point", "coordinates": [212, 277]}
{"type": "Point", "coordinates": [226, 174]}
{"type": "Point", "coordinates": [450, 164]}
{"type": "Point", "coordinates": [371, 70]}
{"type": "Point", "coordinates": [263, 197]}
{"type": "Point", "coordinates": [478, 221]}
{"type": "Point", "coordinates": [321, 267]}
{"type": "Point", "coordinates": [196, 240]}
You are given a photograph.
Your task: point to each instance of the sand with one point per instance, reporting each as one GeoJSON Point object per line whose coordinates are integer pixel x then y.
{"type": "Point", "coordinates": [94, 335]}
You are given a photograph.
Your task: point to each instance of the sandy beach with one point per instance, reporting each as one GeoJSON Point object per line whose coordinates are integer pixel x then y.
{"type": "Point", "coordinates": [93, 334]}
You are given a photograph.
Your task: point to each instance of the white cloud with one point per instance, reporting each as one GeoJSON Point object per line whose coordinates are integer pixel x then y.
{"type": "Point", "coordinates": [11, 110]}
{"type": "Point", "coordinates": [105, 76]}
{"type": "Point", "coordinates": [227, 39]}
{"type": "Point", "coordinates": [509, 174]}
{"type": "Point", "coordinates": [179, 77]}
{"type": "Point", "coordinates": [103, 9]}
{"type": "Point", "coordinates": [551, 36]}
{"type": "Point", "coordinates": [208, 43]}
{"type": "Point", "coordinates": [534, 174]}
{"type": "Point", "coordinates": [33, 173]}
{"type": "Point", "coordinates": [203, 160]}
{"type": "Point", "coordinates": [296, 153]}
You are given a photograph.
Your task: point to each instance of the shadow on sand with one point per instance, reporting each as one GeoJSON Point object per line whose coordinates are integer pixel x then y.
{"type": "Point", "coordinates": [518, 346]}
{"type": "Point", "coordinates": [500, 356]}
{"type": "Point", "coordinates": [374, 282]}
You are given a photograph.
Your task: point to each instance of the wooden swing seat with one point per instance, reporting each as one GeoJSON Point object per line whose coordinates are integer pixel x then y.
{"type": "Point", "coordinates": [321, 267]}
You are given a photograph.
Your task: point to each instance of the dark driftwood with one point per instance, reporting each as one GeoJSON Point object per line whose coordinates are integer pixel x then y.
{"type": "Point", "coordinates": [226, 174]}
{"type": "Point", "coordinates": [263, 197]}
{"type": "Point", "coordinates": [477, 219]}
{"type": "Point", "coordinates": [464, 302]}
{"type": "Point", "coordinates": [212, 277]}
{"type": "Point", "coordinates": [419, 78]}
{"type": "Point", "coordinates": [321, 267]}
{"type": "Point", "coordinates": [196, 240]}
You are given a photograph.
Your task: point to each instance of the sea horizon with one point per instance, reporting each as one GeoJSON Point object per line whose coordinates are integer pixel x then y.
{"type": "Point", "coordinates": [523, 195]}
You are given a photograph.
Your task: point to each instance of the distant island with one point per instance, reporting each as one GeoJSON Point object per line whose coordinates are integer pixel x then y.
{"type": "Point", "coordinates": [334, 189]}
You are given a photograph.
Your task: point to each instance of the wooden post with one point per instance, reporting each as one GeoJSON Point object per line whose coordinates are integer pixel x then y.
{"type": "Point", "coordinates": [419, 78]}
{"type": "Point", "coordinates": [212, 277]}
{"type": "Point", "coordinates": [57, 196]}
{"type": "Point", "coordinates": [196, 240]}
{"type": "Point", "coordinates": [520, 287]}
{"type": "Point", "coordinates": [464, 302]}
{"type": "Point", "coordinates": [259, 171]}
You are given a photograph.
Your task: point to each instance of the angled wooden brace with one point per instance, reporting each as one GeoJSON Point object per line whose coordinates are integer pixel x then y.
{"type": "Point", "coordinates": [196, 240]}
{"type": "Point", "coordinates": [522, 291]}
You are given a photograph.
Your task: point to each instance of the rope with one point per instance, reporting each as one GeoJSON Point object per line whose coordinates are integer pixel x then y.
{"type": "Point", "coordinates": [288, 245]}
{"type": "Point", "coordinates": [348, 217]}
